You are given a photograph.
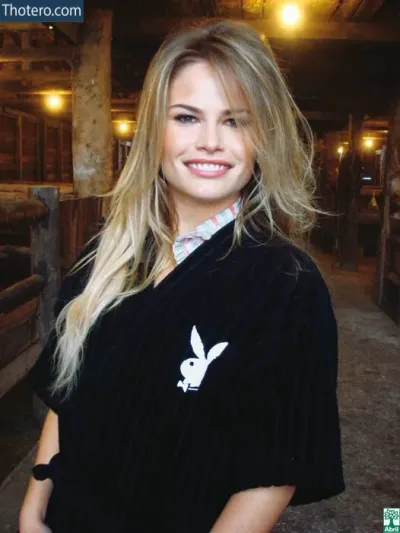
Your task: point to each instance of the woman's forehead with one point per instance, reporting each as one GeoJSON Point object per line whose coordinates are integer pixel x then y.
{"type": "Point", "coordinates": [198, 81]}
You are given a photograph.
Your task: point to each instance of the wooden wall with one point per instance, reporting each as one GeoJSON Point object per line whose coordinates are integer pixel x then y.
{"type": "Point", "coordinates": [34, 148]}
{"type": "Point", "coordinates": [38, 149]}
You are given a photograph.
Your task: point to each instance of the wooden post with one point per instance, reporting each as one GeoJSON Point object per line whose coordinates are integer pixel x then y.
{"type": "Point", "coordinates": [45, 248]}
{"type": "Point", "coordinates": [391, 165]}
{"type": "Point", "coordinates": [91, 106]}
{"type": "Point", "coordinates": [349, 184]}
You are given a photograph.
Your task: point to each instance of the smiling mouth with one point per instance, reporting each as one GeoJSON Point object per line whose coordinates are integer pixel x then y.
{"type": "Point", "coordinates": [208, 170]}
{"type": "Point", "coordinates": [208, 167]}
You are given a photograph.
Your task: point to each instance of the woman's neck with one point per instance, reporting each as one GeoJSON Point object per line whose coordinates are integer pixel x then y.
{"type": "Point", "coordinates": [192, 214]}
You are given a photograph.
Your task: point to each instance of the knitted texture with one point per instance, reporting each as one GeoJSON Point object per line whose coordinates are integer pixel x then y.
{"type": "Point", "coordinates": [220, 379]}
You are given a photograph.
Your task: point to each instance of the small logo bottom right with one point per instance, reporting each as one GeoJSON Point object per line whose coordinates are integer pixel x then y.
{"type": "Point", "coordinates": [391, 520]}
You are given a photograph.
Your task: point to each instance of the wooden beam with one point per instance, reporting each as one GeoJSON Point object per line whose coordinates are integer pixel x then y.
{"type": "Point", "coordinates": [35, 76]}
{"type": "Point", "coordinates": [14, 53]}
{"type": "Point", "coordinates": [367, 9]}
{"type": "Point", "coordinates": [348, 191]}
{"type": "Point", "coordinates": [312, 29]}
{"type": "Point", "coordinates": [21, 26]}
{"type": "Point", "coordinates": [14, 371]}
{"type": "Point", "coordinates": [18, 211]}
{"type": "Point", "coordinates": [25, 44]}
{"type": "Point", "coordinates": [322, 115]}
{"type": "Point", "coordinates": [345, 8]}
{"type": "Point", "coordinates": [91, 106]}
{"type": "Point", "coordinates": [21, 292]}
{"type": "Point", "coordinates": [45, 246]}
{"type": "Point", "coordinates": [70, 30]}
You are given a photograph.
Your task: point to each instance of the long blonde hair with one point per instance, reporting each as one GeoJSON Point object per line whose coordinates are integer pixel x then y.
{"type": "Point", "coordinates": [136, 241]}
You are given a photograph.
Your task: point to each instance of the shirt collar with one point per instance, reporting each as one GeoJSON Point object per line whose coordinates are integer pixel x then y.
{"type": "Point", "coordinates": [184, 245]}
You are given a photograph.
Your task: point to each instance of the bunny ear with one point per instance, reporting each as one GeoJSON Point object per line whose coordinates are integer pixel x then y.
{"type": "Point", "coordinates": [197, 345]}
{"type": "Point", "coordinates": [216, 351]}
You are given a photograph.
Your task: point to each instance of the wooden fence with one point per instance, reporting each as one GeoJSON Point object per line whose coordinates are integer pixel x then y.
{"type": "Point", "coordinates": [31, 272]}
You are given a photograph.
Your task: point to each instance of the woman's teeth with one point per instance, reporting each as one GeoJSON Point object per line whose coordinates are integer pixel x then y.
{"type": "Point", "coordinates": [209, 167]}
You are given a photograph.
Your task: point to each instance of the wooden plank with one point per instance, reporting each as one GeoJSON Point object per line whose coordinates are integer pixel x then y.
{"type": "Point", "coordinates": [348, 190]}
{"type": "Point", "coordinates": [20, 333]}
{"type": "Point", "coordinates": [66, 153]}
{"type": "Point", "coordinates": [359, 9]}
{"type": "Point", "coordinates": [19, 148]}
{"type": "Point", "coordinates": [11, 374]}
{"type": "Point", "coordinates": [21, 211]}
{"type": "Point", "coordinates": [45, 246]}
{"type": "Point", "coordinates": [13, 490]}
{"type": "Point", "coordinates": [19, 113]}
{"type": "Point", "coordinates": [69, 212]}
{"type": "Point", "coordinates": [35, 76]}
{"type": "Point", "coordinates": [51, 151]}
{"type": "Point", "coordinates": [21, 292]}
{"type": "Point", "coordinates": [70, 30]}
{"type": "Point", "coordinates": [7, 320]}
{"type": "Point", "coordinates": [21, 26]}
{"type": "Point", "coordinates": [30, 140]}
{"type": "Point", "coordinates": [345, 9]}
{"type": "Point", "coordinates": [8, 147]}
{"type": "Point", "coordinates": [20, 191]}
{"type": "Point", "coordinates": [325, 115]}
{"type": "Point", "coordinates": [48, 53]}
{"type": "Point", "coordinates": [311, 29]}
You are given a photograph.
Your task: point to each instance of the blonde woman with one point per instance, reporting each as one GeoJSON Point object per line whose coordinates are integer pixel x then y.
{"type": "Point", "coordinates": [191, 374]}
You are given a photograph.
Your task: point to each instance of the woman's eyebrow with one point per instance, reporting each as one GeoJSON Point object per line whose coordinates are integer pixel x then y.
{"type": "Point", "coordinates": [193, 109]}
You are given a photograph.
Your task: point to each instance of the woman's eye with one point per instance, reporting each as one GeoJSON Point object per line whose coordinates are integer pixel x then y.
{"type": "Point", "coordinates": [185, 119]}
{"type": "Point", "coordinates": [232, 122]}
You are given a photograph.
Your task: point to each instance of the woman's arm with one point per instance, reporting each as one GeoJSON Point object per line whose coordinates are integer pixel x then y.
{"type": "Point", "coordinates": [33, 510]}
{"type": "Point", "coordinates": [254, 510]}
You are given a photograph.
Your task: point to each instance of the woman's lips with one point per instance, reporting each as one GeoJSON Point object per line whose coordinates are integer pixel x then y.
{"type": "Point", "coordinates": [208, 170]}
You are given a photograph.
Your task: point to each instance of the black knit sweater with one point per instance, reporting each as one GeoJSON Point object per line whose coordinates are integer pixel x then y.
{"type": "Point", "coordinates": [220, 379]}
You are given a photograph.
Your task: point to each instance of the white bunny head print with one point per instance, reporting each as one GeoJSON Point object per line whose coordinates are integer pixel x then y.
{"type": "Point", "coordinates": [194, 369]}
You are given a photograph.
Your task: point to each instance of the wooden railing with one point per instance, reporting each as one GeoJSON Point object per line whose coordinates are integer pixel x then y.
{"type": "Point", "coordinates": [31, 273]}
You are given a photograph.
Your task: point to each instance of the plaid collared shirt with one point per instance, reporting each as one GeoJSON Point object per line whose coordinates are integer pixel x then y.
{"type": "Point", "coordinates": [184, 245]}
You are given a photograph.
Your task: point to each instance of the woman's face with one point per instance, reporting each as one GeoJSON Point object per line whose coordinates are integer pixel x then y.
{"type": "Point", "coordinates": [206, 158]}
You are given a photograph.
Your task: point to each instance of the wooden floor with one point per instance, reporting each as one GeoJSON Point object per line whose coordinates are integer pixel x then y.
{"type": "Point", "coordinates": [12, 492]}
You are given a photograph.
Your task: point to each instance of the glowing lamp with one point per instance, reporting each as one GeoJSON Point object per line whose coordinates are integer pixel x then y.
{"type": "Point", "coordinates": [123, 127]}
{"type": "Point", "coordinates": [290, 15]}
{"type": "Point", "coordinates": [340, 150]}
{"type": "Point", "coordinates": [368, 143]}
{"type": "Point", "coordinates": [54, 102]}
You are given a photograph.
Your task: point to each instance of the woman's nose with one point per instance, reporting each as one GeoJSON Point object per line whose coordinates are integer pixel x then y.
{"type": "Point", "coordinates": [209, 138]}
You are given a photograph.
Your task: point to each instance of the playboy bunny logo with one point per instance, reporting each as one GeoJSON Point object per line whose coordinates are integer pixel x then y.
{"type": "Point", "coordinates": [193, 370]}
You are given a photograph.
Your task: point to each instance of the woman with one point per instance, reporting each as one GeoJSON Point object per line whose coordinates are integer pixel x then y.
{"type": "Point", "coordinates": [195, 348]}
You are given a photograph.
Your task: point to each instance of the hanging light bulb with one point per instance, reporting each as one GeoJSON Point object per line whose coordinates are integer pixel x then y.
{"type": "Point", "coordinates": [123, 127]}
{"type": "Point", "coordinates": [368, 143]}
{"type": "Point", "coordinates": [290, 15]}
{"type": "Point", "coordinates": [53, 102]}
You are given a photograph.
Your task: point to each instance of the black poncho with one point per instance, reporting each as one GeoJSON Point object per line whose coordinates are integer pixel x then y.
{"type": "Point", "coordinates": [220, 379]}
